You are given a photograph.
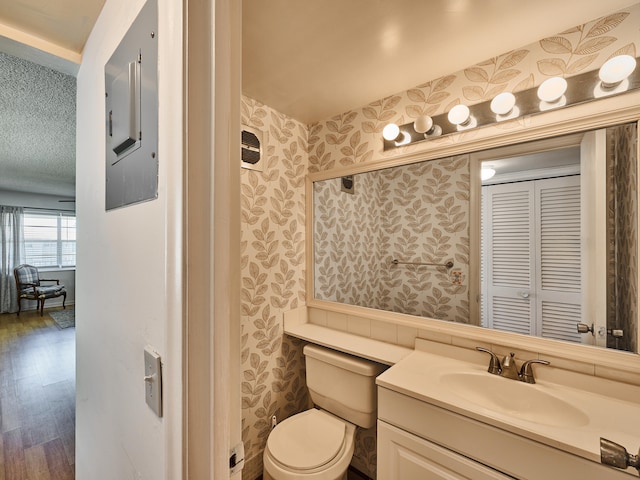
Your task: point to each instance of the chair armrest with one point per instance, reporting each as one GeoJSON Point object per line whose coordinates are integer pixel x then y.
{"type": "Point", "coordinates": [50, 280]}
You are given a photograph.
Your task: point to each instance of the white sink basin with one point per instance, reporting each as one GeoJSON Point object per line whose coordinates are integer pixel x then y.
{"type": "Point", "coordinates": [564, 410]}
{"type": "Point", "coordinates": [513, 398]}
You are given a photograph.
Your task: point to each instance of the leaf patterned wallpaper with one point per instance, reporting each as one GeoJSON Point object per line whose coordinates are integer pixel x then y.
{"type": "Point", "coordinates": [347, 246]}
{"type": "Point", "coordinates": [414, 213]}
{"type": "Point", "coordinates": [273, 256]}
{"type": "Point", "coordinates": [273, 204]}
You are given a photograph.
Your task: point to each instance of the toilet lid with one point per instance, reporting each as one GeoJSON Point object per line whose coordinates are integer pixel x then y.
{"type": "Point", "coordinates": [307, 440]}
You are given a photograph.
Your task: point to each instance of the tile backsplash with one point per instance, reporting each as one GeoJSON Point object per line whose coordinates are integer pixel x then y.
{"type": "Point", "coordinates": [405, 336]}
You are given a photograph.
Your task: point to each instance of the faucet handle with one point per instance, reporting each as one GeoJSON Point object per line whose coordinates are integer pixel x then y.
{"type": "Point", "coordinates": [526, 372]}
{"type": "Point", "coordinates": [494, 364]}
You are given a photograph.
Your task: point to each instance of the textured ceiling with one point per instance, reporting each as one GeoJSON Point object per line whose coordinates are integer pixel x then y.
{"type": "Point", "coordinates": [37, 128]}
{"type": "Point", "coordinates": [37, 101]}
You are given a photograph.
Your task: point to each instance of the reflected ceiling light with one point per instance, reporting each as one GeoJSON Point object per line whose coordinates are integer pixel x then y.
{"type": "Point", "coordinates": [487, 172]}
{"type": "Point", "coordinates": [391, 132]}
{"type": "Point", "coordinates": [459, 115]}
{"type": "Point", "coordinates": [552, 89]}
{"type": "Point", "coordinates": [503, 103]}
{"type": "Point", "coordinates": [616, 69]}
{"type": "Point", "coordinates": [424, 124]}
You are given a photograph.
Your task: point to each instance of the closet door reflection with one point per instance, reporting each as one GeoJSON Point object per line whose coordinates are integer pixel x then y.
{"type": "Point", "coordinates": [531, 244]}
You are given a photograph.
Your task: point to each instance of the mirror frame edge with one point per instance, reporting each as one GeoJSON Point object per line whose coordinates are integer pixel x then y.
{"type": "Point", "coordinates": [600, 113]}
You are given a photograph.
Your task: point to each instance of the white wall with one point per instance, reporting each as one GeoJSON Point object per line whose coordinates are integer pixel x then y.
{"type": "Point", "coordinates": [128, 273]}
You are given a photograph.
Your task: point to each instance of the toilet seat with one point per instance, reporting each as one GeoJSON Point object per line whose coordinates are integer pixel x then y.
{"type": "Point", "coordinates": [307, 441]}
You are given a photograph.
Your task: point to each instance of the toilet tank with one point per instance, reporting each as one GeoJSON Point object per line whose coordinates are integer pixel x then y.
{"type": "Point", "coordinates": [343, 384]}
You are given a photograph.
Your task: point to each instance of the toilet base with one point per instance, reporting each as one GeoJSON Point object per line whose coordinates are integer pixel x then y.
{"type": "Point", "coordinates": [266, 476]}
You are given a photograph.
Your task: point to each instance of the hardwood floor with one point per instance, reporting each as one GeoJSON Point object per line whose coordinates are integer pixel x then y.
{"type": "Point", "coordinates": [37, 398]}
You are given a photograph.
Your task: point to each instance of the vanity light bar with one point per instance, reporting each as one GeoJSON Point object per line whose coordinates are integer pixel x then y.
{"type": "Point", "coordinates": [581, 88]}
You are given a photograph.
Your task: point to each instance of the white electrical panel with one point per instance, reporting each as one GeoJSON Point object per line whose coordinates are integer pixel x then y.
{"type": "Point", "coordinates": [131, 114]}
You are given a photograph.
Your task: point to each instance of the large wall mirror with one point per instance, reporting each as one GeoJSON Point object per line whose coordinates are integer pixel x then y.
{"type": "Point", "coordinates": [537, 238]}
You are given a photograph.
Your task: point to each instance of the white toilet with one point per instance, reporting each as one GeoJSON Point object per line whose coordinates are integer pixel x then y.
{"type": "Point", "coordinates": [318, 444]}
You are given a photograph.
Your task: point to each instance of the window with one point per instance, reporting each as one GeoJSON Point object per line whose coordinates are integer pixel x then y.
{"type": "Point", "coordinates": [50, 239]}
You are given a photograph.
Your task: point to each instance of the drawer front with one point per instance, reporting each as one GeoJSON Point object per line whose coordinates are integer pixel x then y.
{"type": "Point", "coordinates": [405, 456]}
{"type": "Point", "coordinates": [499, 449]}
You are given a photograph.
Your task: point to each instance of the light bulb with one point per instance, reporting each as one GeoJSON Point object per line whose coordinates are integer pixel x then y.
{"type": "Point", "coordinates": [459, 115]}
{"type": "Point", "coordinates": [423, 124]}
{"type": "Point", "coordinates": [391, 132]}
{"type": "Point", "coordinates": [552, 89]}
{"type": "Point", "coordinates": [503, 103]}
{"type": "Point", "coordinates": [616, 69]}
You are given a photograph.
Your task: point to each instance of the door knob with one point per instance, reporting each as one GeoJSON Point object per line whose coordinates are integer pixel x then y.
{"type": "Point", "coordinates": [584, 328]}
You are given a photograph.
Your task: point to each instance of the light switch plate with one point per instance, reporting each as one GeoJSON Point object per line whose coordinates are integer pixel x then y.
{"type": "Point", "coordinates": [153, 380]}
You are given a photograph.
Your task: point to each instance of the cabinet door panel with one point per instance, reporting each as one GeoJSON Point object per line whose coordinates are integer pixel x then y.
{"type": "Point", "coordinates": [402, 455]}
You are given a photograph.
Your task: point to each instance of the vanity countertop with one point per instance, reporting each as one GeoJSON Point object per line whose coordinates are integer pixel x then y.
{"type": "Point", "coordinates": [604, 409]}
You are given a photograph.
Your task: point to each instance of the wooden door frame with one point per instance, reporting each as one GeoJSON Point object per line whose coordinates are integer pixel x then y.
{"type": "Point", "coordinates": [211, 348]}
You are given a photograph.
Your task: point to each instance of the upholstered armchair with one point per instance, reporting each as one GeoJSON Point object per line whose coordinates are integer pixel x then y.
{"type": "Point", "coordinates": [30, 287]}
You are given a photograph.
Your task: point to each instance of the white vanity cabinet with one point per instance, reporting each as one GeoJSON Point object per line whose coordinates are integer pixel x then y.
{"type": "Point", "coordinates": [421, 441]}
{"type": "Point", "coordinates": [402, 455]}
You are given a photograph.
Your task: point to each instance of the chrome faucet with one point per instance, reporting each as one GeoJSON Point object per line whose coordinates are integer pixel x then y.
{"type": "Point", "coordinates": [508, 367]}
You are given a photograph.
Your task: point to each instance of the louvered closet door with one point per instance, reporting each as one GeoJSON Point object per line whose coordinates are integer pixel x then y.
{"type": "Point", "coordinates": [558, 297]}
{"type": "Point", "coordinates": [509, 231]}
{"type": "Point", "coordinates": [531, 248]}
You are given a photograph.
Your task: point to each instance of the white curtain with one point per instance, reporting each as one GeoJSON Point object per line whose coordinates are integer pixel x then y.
{"type": "Point", "coordinates": [12, 250]}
